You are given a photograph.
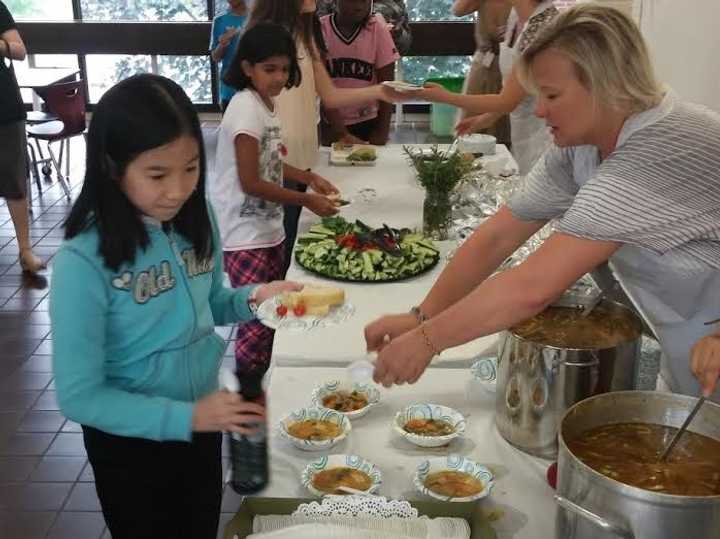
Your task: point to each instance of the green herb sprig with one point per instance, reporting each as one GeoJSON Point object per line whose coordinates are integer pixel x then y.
{"type": "Point", "coordinates": [437, 170]}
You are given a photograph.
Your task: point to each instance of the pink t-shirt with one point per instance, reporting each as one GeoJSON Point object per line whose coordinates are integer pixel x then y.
{"type": "Point", "coordinates": [354, 60]}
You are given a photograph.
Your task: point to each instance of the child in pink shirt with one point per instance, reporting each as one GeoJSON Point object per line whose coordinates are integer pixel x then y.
{"type": "Point", "coordinates": [360, 53]}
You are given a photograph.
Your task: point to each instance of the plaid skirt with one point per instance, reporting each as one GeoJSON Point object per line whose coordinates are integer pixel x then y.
{"type": "Point", "coordinates": [253, 344]}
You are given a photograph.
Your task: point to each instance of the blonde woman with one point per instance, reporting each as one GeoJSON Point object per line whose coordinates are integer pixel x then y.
{"type": "Point", "coordinates": [633, 179]}
{"type": "Point", "coordinates": [528, 135]}
{"type": "Point", "coordinates": [484, 76]}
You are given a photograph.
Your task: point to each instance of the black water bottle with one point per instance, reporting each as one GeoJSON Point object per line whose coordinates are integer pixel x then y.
{"type": "Point", "coordinates": [249, 453]}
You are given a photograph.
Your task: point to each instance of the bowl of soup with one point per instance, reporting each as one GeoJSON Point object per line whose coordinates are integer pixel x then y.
{"type": "Point", "coordinates": [429, 425]}
{"type": "Point", "coordinates": [314, 429]}
{"type": "Point", "coordinates": [453, 478]}
{"type": "Point", "coordinates": [325, 475]}
{"type": "Point", "coordinates": [353, 400]}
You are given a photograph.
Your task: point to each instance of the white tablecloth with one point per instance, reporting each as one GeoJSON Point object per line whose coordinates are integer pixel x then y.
{"type": "Point", "coordinates": [521, 501]}
{"type": "Point", "coordinates": [398, 202]}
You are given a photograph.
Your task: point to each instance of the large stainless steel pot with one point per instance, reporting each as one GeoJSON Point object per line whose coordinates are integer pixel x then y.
{"type": "Point", "coordinates": [536, 384]}
{"type": "Point", "coordinates": [592, 506]}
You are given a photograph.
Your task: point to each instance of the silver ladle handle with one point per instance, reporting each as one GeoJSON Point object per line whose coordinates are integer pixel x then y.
{"type": "Point", "coordinates": [682, 429]}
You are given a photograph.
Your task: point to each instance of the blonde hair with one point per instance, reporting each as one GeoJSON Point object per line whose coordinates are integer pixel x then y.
{"type": "Point", "coordinates": [608, 53]}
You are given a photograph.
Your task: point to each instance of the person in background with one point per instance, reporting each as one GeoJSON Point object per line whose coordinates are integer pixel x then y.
{"type": "Point", "coordinates": [225, 34]}
{"type": "Point", "coordinates": [528, 133]}
{"type": "Point", "coordinates": [360, 53]}
{"type": "Point", "coordinates": [13, 141]}
{"type": "Point", "coordinates": [632, 179]}
{"type": "Point", "coordinates": [484, 76]}
{"type": "Point", "coordinates": [297, 107]}
{"type": "Point", "coordinates": [248, 191]}
{"type": "Point", "coordinates": [137, 291]}
{"type": "Point", "coordinates": [393, 12]}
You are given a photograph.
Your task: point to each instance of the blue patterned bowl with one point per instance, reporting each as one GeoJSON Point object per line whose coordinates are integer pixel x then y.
{"type": "Point", "coordinates": [370, 391]}
{"type": "Point", "coordinates": [322, 414]}
{"type": "Point", "coordinates": [484, 370]}
{"type": "Point", "coordinates": [429, 411]}
{"type": "Point", "coordinates": [340, 461]}
{"type": "Point", "coordinates": [453, 463]}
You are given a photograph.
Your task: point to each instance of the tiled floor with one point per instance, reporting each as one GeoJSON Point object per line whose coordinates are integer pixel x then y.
{"type": "Point", "coordinates": [46, 483]}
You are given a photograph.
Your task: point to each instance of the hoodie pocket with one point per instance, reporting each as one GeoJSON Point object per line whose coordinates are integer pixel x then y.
{"type": "Point", "coordinates": [204, 359]}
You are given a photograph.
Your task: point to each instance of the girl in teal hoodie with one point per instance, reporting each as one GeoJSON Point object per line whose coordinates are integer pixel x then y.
{"type": "Point", "coordinates": [136, 294]}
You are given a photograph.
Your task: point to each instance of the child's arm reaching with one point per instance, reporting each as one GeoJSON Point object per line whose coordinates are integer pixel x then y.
{"type": "Point", "coordinates": [247, 150]}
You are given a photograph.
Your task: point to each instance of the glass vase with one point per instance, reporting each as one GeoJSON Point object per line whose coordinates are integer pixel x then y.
{"type": "Point", "coordinates": [437, 210]}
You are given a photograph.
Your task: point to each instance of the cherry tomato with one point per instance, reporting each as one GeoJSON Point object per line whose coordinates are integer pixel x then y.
{"type": "Point", "coordinates": [299, 310]}
{"type": "Point", "coordinates": [281, 310]}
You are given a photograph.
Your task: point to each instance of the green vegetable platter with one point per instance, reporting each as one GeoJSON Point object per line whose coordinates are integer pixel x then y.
{"type": "Point", "coordinates": [345, 251]}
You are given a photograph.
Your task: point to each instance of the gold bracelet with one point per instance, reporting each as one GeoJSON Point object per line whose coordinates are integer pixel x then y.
{"type": "Point", "coordinates": [428, 342]}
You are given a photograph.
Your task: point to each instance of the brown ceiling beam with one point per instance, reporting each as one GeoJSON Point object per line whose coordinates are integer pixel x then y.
{"type": "Point", "coordinates": [192, 38]}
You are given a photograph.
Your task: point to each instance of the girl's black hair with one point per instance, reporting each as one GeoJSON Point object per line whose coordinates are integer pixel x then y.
{"type": "Point", "coordinates": [257, 44]}
{"type": "Point", "coordinates": [136, 115]}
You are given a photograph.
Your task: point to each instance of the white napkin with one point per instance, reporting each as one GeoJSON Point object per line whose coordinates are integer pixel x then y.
{"type": "Point", "coordinates": [360, 527]}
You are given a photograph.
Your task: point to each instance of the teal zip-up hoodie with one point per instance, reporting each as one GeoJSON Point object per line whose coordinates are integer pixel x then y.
{"type": "Point", "coordinates": [134, 348]}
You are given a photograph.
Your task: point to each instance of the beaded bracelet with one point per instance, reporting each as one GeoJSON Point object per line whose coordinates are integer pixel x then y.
{"type": "Point", "coordinates": [428, 342]}
{"type": "Point", "coordinates": [421, 316]}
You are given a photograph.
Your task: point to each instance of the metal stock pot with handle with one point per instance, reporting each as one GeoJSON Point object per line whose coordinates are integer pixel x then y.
{"type": "Point", "coordinates": [538, 378]}
{"type": "Point", "coordinates": [592, 505]}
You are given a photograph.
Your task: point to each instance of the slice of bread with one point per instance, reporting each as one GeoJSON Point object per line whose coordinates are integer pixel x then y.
{"type": "Point", "coordinates": [316, 299]}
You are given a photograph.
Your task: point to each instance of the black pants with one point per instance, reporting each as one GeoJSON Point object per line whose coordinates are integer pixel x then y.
{"type": "Point", "coordinates": [151, 489]}
{"type": "Point", "coordinates": [361, 130]}
{"type": "Point", "coordinates": [290, 222]}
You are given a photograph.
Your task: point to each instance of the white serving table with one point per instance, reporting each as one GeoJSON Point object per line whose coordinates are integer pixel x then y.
{"type": "Point", "coordinates": [398, 202]}
{"type": "Point", "coordinates": [520, 506]}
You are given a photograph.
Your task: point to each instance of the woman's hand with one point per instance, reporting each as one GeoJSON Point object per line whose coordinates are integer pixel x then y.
{"type": "Point", "coordinates": [320, 205]}
{"type": "Point", "coordinates": [321, 185]}
{"type": "Point", "coordinates": [224, 411]}
{"type": "Point", "coordinates": [274, 288]}
{"type": "Point", "coordinates": [473, 124]}
{"type": "Point", "coordinates": [389, 327]}
{"type": "Point", "coordinates": [705, 362]}
{"type": "Point", "coordinates": [403, 359]}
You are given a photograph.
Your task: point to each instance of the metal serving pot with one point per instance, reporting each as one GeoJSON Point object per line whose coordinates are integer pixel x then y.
{"type": "Point", "coordinates": [537, 383]}
{"type": "Point", "coordinates": [593, 506]}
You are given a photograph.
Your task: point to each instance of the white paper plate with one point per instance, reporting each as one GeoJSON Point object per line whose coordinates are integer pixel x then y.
{"type": "Point", "coordinates": [268, 316]}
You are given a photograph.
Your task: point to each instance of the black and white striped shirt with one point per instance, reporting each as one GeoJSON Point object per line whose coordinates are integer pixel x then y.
{"type": "Point", "coordinates": [658, 190]}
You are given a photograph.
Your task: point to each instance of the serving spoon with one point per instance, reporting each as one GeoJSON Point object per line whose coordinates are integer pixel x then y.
{"type": "Point", "coordinates": [681, 430]}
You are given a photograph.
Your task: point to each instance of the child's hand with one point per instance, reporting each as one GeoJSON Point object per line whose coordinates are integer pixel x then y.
{"type": "Point", "coordinates": [274, 288]}
{"type": "Point", "coordinates": [227, 36]}
{"type": "Point", "coordinates": [431, 92]}
{"type": "Point", "coordinates": [223, 411]}
{"type": "Point", "coordinates": [320, 205]}
{"type": "Point", "coordinates": [322, 186]}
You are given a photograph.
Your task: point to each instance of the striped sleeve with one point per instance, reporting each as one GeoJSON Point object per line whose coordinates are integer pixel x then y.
{"type": "Point", "coordinates": [548, 190]}
{"type": "Point", "coordinates": [659, 191]}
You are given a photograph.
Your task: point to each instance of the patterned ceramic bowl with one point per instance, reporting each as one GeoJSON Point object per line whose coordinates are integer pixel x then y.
{"type": "Point", "coordinates": [340, 461]}
{"type": "Point", "coordinates": [317, 414]}
{"type": "Point", "coordinates": [484, 370]}
{"type": "Point", "coordinates": [370, 391]}
{"type": "Point", "coordinates": [453, 463]}
{"type": "Point", "coordinates": [429, 411]}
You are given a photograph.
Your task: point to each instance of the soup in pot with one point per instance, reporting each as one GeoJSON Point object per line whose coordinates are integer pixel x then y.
{"type": "Point", "coordinates": [604, 327]}
{"type": "Point", "coordinates": [629, 452]}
